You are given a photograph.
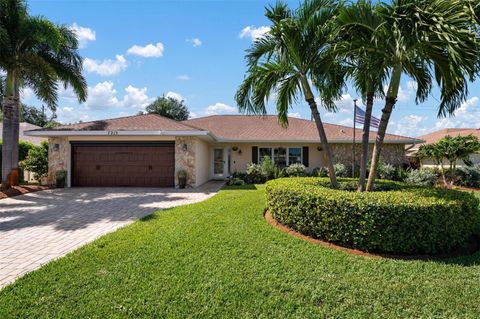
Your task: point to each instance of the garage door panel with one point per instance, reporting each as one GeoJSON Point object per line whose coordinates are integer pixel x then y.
{"type": "Point", "coordinates": [124, 165]}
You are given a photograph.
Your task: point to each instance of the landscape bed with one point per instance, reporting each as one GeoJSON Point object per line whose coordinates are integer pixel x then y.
{"type": "Point", "coordinates": [394, 219]}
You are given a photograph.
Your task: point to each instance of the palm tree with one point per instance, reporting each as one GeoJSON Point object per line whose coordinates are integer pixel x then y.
{"type": "Point", "coordinates": [291, 59]}
{"type": "Point", "coordinates": [38, 54]}
{"type": "Point", "coordinates": [353, 45]}
{"type": "Point", "coordinates": [425, 39]}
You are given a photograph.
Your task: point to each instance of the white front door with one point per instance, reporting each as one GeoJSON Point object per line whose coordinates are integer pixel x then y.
{"type": "Point", "coordinates": [219, 162]}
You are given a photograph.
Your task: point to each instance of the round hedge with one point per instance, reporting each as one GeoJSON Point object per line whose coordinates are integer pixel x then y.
{"type": "Point", "coordinates": [395, 218]}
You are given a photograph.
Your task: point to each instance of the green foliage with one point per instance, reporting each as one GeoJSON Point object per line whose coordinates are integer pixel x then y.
{"type": "Point", "coordinates": [296, 170]}
{"type": "Point", "coordinates": [254, 174]}
{"type": "Point", "coordinates": [23, 148]}
{"type": "Point", "coordinates": [268, 168]}
{"type": "Point", "coordinates": [320, 172]}
{"type": "Point", "coordinates": [169, 107]}
{"type": "Point", "coordinates": [387, 171]}
{"type": "Point", "coordinates": [422, 177]}
{"type": "Point", "coordinates": [341, 170]}
{"type": "Point", "coordinates": [37, 160]}
{"type": "Point", "coordinates": [469, 176]}
{"type": "Point", "coordinates": [402, 220]}
{"type": "Point", "coordinates": [236, 181]}
{"type": "Point", "coordinates": [32, 115]}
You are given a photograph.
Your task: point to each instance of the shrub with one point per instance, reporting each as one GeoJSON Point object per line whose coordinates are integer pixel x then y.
{"type": "Point", "coordinates": [340, 170]}
{"type": "Point", "coordinates": [254, 174]}
{"type": "Point", "coordinates": [396, 218]}
{"type": "Point", "coordinates": [268, 168]}
{"type": "Point", "coordinates": [320, 172]}
{"type": "Point", "coordinates": [387, 171]}
{"type": "Point", "coordinates": [236, 181]}
{"type": "Point", "coordinates": [469, 176]}
{"type": "Point", "coordinates": [23, 148]}
{"type": "Point", "coordinates": [296, 170]}
{"type": "Point", "coordinates": [37, 161]}
{"type": "Point", "coordinates": [422, 177]}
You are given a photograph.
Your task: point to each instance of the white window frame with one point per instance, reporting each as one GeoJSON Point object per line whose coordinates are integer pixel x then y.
{"type": "Point", "coordinates": [288, 153]}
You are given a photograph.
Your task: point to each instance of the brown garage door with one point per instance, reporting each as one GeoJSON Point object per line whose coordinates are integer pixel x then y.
{"type": "Point", "coordinates": [141, 165]}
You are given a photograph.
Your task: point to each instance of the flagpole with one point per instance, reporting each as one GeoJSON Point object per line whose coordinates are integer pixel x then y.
{"type": "Point", "coordinates": [354, 129]}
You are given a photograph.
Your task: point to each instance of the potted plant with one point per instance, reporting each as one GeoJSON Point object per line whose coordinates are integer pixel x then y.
{"type": "Point", "coordinates": [182, 178]}
{"type": "Point", "coordinates": [60, 178]}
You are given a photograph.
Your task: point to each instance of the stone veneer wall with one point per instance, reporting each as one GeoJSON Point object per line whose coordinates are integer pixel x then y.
{"type": "Point", "coordinates": [391, 153]}
{"type": "Point", "coordinates": [57, 159]}
{"type": "Point", "coordinates": [185, 159]}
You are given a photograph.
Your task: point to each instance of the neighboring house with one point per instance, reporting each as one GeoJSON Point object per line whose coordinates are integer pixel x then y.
{"type": "Point", "coordinates": [148, 150]}
{"type": "Point", "coordinates": [438, 135]}
{"type": "Point", "coordinates": [35, 140]}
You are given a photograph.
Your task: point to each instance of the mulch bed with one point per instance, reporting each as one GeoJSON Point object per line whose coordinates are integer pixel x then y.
{"type": "Point", "coordinates": [472, 246]}
{"type": "Point", "coordinates": [22, 189]}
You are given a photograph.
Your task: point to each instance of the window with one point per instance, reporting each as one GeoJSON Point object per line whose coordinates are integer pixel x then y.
{"type": "Point", "coordinates": [281, 156]}
{"type": "Point", "coordinates": [264, 151]}
{"type": "Point", "coordinates": [294, 155]}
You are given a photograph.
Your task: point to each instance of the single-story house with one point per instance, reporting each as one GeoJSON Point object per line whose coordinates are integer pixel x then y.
{"type": "Point", "coordinates": [148, 150]}
{"type": "Point", "coordinates": [437, 136]}
{"type": "Point", "coordinates": [35, 140]}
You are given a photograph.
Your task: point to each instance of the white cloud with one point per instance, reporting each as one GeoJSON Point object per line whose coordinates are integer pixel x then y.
{"type": "Point", "coordinates": [253, 32]}
{"type": "Point", "coordinates": [409, 125]}
{"type": "Point", "coordinates": [70, 114]}
{"type": "Point", "coordinates": [26, 93]}
{"type": "Point", "coordinates": [296, 115]}
{"type": "Point", "coordinates": [175, 96]}
{"type": "Point", "coordinates": [106, 67]}
{"type": "Point", "coordinates": [183, 77]}
{"type": "Point", "coordinates": [466, 116]}
{"type": "Point", "coordinates": [136, 98]}
{"type": "Point", "coordinates": [192, 115]}
{"type": "Point", "coordinates": [84, 35]}
{"type": "Point", "coordinates": [148, 51]}
{"type": "Point", "coordinates": [103, 96]}
{"type": "Point", "coordinates": [220, 108]}
{"type": "Point", "coordinates": [196, 42]}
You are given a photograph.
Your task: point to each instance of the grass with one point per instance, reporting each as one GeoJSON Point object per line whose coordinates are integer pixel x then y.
{"type": "Point", "coordinates": [219, 258]}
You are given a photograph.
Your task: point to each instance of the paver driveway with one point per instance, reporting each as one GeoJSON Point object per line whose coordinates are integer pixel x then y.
{"type": "Point", "coordinates": [38, 227]}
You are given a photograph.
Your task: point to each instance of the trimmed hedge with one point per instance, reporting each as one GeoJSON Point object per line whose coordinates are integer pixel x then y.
{"type": "Point", "coordinates": [395, 218]}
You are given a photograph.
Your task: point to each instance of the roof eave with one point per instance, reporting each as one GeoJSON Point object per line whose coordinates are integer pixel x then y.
{"type": "Point", "coordinates": [53, 133]}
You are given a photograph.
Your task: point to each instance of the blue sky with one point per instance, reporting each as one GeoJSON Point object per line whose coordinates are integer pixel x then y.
{"type": "Point", "coordinates": [137, 50]}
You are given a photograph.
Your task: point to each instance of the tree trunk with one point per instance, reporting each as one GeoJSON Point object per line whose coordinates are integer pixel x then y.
{"type": "Point", "coordinates": [377, 149]}
{"type": "Point", "coordinates": [365, 142]}
{"type": "Point", "coordinates": [10, 134]}
{"type": "Point", "coordinates": [390, 101]}
{"type": "Point", "coordinates": [321, 131]}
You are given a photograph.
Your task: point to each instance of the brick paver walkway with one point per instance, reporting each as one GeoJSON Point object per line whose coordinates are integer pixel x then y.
{"type": "Point", "coordinates": [38, 227]}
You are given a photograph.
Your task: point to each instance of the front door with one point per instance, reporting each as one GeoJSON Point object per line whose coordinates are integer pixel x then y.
{"type": "Point", "coordinates": [219, 162]}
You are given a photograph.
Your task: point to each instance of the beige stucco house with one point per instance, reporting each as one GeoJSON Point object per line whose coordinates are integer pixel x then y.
{"type": "Point", "coordinates": [148, 150]}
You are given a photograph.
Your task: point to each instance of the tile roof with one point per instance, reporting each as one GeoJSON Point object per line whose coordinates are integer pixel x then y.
{"type": "Point", "coordinates": [437, 135]}
{"type": "Point", "coordinates": [267, 128]}
{"type": "Point", "coordinates": [145, 122]}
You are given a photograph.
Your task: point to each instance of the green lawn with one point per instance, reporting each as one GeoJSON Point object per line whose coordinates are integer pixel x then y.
{"type": "Point", "coordinates": [220, 258]}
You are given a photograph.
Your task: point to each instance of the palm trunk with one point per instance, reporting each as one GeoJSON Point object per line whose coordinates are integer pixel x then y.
{"type": "Point", "coordinates": [10, 134]}
{"type": "Point", "coordinates": [321, 132]}
{"type": "Point", "coordinates": [365, 142]}
{"type": "Point", "coordinates": [390, 101]}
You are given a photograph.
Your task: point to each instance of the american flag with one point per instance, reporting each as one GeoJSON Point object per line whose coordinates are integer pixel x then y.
{"type": "Point", "coordinates": [360, 118]}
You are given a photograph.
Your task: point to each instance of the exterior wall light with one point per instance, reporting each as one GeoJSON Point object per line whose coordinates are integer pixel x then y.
{"type": "Point", "coordinates": [234, 148]}
{"type": "Point", "coordinates": [319, 148]}
{"type": "Point", "coordinates": [56, 147]}
{"type": "Point", "coordinates": [184, 147]}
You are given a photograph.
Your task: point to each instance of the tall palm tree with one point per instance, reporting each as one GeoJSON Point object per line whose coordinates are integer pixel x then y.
{"type": "Point", "coordinates": [38, 54]}
{"type": "Point", "coordinates": [353, 46]}
{"type": "Point", "coordinates": [425, 40]}
{"type": "Point", "coordinates": [290, 60]}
